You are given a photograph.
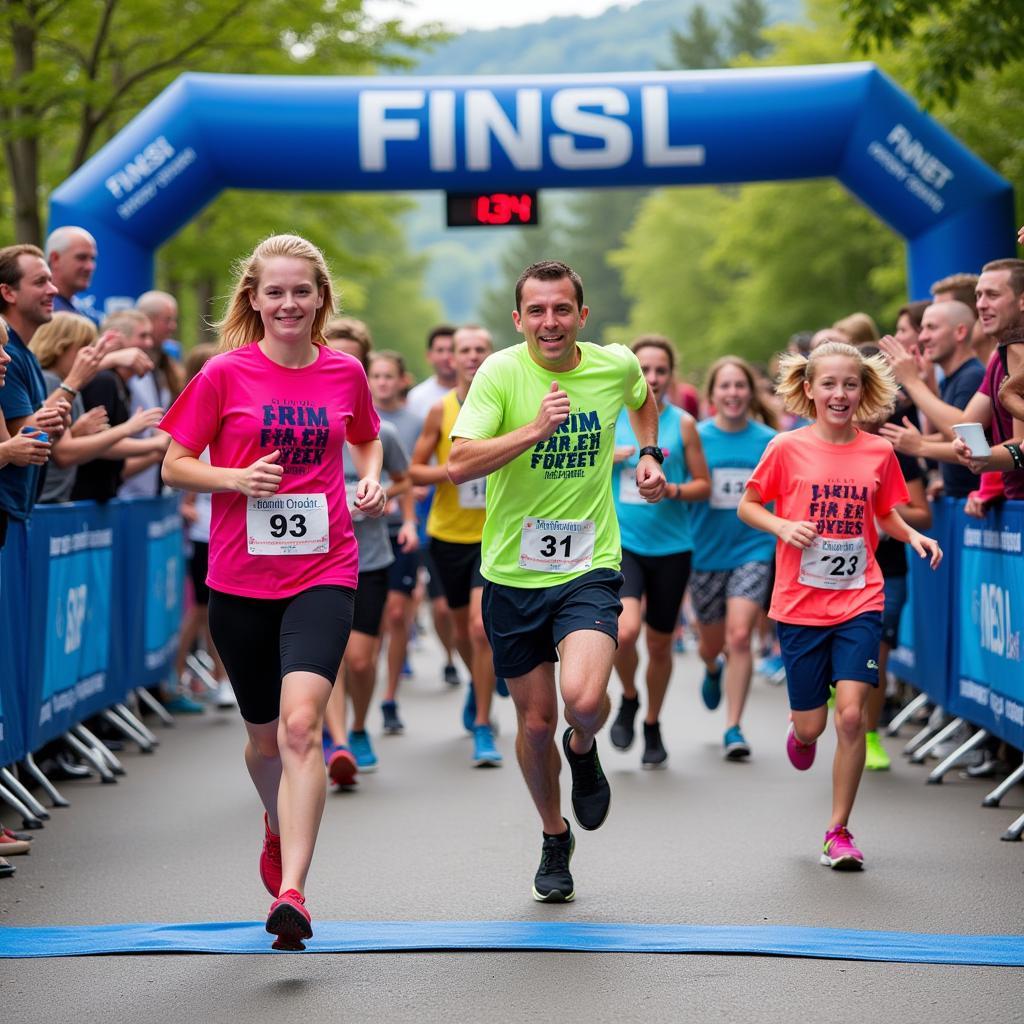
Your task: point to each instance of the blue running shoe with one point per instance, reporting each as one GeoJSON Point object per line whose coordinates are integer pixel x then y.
{"type": "Point", "coordinates": [501, 686]}
{"type": "Point", "coordinates": [773, 669]}
{"type": "Point", "coordinates": [469, 709]}
{"type": "Point", "coordinates": [485, 753]}
{"type": "Point", "coordinates": [711, 688]}
{"type": "Point", "coordinates": [734, 746]}
{"type": "Point", "coordinates": [362, 749]}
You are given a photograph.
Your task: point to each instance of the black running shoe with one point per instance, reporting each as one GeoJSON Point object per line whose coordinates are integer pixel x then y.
{"type": "Point", "coordinates": [392, 723]}
{"type": "Point", "coordinates": [553, 882]}
{"type": "Point", "coordinates": [655, 754]}
{"type": "Point", "coordinates": [622, 730]}
{"type": "Point", "coordinates": [451, 674]}
{"type": "Point", "coordinates": [591, 794]}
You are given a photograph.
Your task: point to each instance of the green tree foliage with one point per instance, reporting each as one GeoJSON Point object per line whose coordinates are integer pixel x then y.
{"type": "Point", "coordinates": [950, 42]}
{"type": "Point", "coordinates": [741, 269]}
{"type": "Point", "coordinates": [72, 72]}
{"type": "Point", "coordinates": [699, 45]}
{"type": "Point", "coordinates": [745, 25]}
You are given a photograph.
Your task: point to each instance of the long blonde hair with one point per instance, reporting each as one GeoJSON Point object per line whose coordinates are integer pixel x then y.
{"type": "Point", "coordinates": [56, 336]}
{"type": "Point", "coordinates": [243, 324]}
{"type": "Point", "coordinates": [878, 386]}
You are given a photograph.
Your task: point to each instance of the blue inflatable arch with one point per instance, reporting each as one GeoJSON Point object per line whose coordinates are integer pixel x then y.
{"type": "Point", "coordinates": [208, 132]}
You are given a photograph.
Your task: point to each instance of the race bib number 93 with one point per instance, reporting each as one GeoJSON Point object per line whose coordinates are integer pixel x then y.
{"type": "Point", "coordinates": [288, 524]}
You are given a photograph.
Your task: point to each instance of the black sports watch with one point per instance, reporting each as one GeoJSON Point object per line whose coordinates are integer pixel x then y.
{"type": "Point", "coordinates": [654, 451]}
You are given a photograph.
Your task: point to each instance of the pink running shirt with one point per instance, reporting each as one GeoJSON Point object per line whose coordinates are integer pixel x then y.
{"type": "Point", "coordinates": [242, 405]}
{"type": "Point", "coordinates": [841, 488]}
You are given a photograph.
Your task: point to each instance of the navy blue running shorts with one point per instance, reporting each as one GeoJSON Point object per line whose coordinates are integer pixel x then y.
{"type": "Point", "coordinates": [895, 599]}
{"type": "Point", "coordinates": [817, 657]}
{"type": "Point", "coordinates": [402, 571]}
{"type": "Point", "coordinates": [525, 625]}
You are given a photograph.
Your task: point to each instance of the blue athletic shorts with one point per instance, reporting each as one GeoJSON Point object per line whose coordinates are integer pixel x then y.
{"type": "Point", "coordinates": [819, 656]}
{"type": "Point", "coordinates": [525, 625]}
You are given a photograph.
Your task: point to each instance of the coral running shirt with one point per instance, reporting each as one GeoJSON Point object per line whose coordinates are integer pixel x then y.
{"type": "Point", "coordinates": [841, 488]}
{"type": "Point", "coordinates": [242, 405]}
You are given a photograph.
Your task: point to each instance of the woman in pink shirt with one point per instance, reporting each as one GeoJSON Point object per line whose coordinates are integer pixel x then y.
{"type": "Point", "coordinates": [275, 409]}
{"type": "Point", "coordinates": [834, 486]}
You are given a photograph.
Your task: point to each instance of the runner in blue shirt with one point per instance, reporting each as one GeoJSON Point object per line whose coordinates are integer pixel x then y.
{"type": "Point", "coordinates": [732, 563]}
{"type": "Point", "coordinates": [657, 546]}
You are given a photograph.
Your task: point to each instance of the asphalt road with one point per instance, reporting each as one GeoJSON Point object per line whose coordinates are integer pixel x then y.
{"type": "Point", "coordinates": [428, 837]}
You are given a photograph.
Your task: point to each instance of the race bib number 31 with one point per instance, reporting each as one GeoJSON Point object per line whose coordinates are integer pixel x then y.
{"type": "Point", "coordinates": [557, 545]}
{"type": "Point", "coordinates": [288, 524]}
{"type": "Point", "coordinates": [834, 564]}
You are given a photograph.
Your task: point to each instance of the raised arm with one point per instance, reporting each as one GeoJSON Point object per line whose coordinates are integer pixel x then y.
{"type": "Point", "coordinates": [422, 471]}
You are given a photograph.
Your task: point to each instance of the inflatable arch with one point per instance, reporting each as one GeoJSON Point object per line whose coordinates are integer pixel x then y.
{"type": "Point", "coordinates": [207, 132]}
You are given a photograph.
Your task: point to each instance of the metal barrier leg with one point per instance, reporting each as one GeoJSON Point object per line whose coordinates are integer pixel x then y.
{"type": "Point", "coordinates": [127, 730]}
{"type": "Point", "coordinates": [1013, 833]}
{"type": "Point", "coordinates": [906, 713]}
{"type": "Point", "coordinates": [923, 735]}
{"type": "Point", "coordinates": [102, 750]}
{"type": "Point", "coordinates": [96, 762]}
{"type": "Point", "coordinates": [921, 752]}
{"type": "Point", "coordinates": [155, 706]}
{"type": "Point", "coordinates": [1004, 787]}
{"type": "Point", "coordinates": [44, 783]}
{"type": "Point", "coordinates": [944, 766]}
{"type": "Point", "coordinates": [28, 819]}
{"type": "Point", "coordinates": [200, 669]}
{"type": "Point", "coordinates": [136, 723]}
{"type": "Point", "coordinates": [11, 782]}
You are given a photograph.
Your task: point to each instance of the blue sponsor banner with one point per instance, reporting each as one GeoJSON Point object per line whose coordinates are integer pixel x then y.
{"type": "Point", "coordinates": [925, 646]}
{"type": "Point", "coordinates": [73, 594]}
{"type": "Point", "coordinates": [154, 542]}
{"type": "Point", "coordinates": [988, 674]}
{"type": "Point", "coordinates": [14, 586]}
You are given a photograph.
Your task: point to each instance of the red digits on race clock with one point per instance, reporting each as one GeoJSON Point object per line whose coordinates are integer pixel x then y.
{"type": "Point", "coordinates": [503, 208]}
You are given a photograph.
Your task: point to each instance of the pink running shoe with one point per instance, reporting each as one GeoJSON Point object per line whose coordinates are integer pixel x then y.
{"type": "Point", "coordinates": [270, 859]}
{"type": "Point", "coordinates": [289, 921]}
{"type": "Point", "coordinates": [801, 755]}
{"type": "Point", "coordinates": [839, 851]}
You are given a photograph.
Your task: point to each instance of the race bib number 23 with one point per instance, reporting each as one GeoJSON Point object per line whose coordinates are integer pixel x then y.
{"type": "Point", "coordinates": [834, 564]}
{"type": "Point", "coordinates": [288, 524]}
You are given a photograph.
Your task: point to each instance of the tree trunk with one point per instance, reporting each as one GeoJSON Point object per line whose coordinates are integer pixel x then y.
{"type": "Point", "coordinates": [22, 151]}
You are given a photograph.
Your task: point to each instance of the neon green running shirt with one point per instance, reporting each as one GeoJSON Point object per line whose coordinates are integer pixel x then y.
{"type": "Point", "coordinates": [552, 504]}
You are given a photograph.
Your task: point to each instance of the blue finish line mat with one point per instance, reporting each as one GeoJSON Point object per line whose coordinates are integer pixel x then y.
{"type": "Point", "coordinates": [474, 936]}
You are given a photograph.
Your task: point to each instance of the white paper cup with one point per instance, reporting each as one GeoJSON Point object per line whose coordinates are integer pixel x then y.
{"type": "Point", "coordinates": [973, 435]}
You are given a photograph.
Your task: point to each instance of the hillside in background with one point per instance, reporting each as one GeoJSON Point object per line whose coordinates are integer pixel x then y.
{"type": "Point", "coordinates": [632, 38]}
{"type": "Point", "coordinates": [465, 262]}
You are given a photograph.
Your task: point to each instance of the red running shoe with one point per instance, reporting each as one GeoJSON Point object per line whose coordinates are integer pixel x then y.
{"type": "Point", "coordinates": [342, 767]}
{"type": "Point", "coordinates": [270, 859]}
{"type": "Point", "coordinates": [289, 921]}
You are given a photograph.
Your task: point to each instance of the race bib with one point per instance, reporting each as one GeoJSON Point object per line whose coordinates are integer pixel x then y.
{"type": "Point", "coordinates": [629, 493]}
{"type": "Point", "coordinates": [727, 486]}
{"type": "Point", "coordinates": [557, 545]}
{"type": "Point", "coordinates": [288, 524]}
{"type": "Point", "coordinates": [351, 489]}
{"type": "Point", "coordinates": [473, 494]}
{"type": "Point", "coordinates": [834, 564]}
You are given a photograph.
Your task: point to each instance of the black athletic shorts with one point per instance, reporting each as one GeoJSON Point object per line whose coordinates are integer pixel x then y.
{"type": "Point", "coordinates": [458, 565]}
{"type": "Point", "coordinates": [434, 586]}
{"type": "Point", "coordinates": [261, 640]}
{"type": "Point", "coordinates": [371, 596]}
{"type": "Point", "coordinates": [663, 579]}
{"type": "Point", "coordinates": [525, 625]}
{"type": "Point", "coordinates": [198, 566]}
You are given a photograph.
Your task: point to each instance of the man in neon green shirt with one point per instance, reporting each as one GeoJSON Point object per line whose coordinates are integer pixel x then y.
{"type": "Point", "coordinates": [539, 422]}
